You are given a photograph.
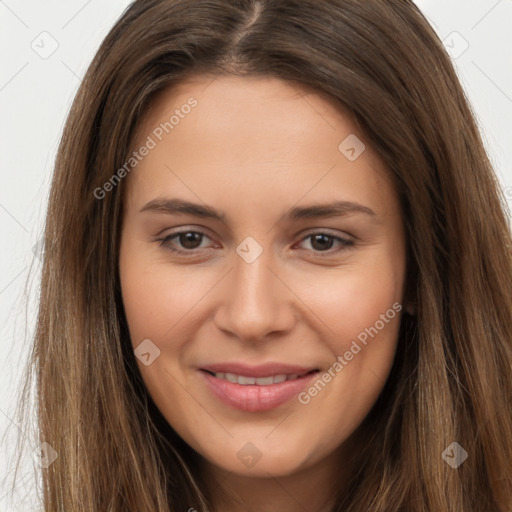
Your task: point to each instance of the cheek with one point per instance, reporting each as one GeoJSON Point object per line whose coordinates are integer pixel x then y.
{"type": "Point", "coordinates": [157, 297]}
{"type": "Point", "coordinates": [351, 300]}
{"type": "Point", "coordinates": [360, 313]}
{"type": "Point", "coordinates": [364, 325]}
{"type": "Point", "coordinates": [159, 302]}
{"type": "Point", "coordinates": [359, 305]}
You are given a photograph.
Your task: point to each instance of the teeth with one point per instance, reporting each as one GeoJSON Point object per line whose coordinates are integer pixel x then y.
{"type": "Point", "coordinates": [265, 381]}
{"type": "Point", "coordinates": [259, 381]}
{"type": "Point", "coordinates": [246, 380]}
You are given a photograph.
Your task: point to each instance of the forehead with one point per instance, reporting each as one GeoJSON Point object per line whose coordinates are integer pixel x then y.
{"type": "Point", "coordinates": [254, 134]}
{"type": "Point", "coordinates": [256, 102]}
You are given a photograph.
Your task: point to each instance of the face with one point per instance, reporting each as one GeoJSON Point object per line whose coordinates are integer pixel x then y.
{"type": "Point", "coordinates": [262, 240]}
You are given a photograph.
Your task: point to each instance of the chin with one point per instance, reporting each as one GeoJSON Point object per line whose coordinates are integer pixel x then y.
{"type": "Point", "coordinates": [261, 459]}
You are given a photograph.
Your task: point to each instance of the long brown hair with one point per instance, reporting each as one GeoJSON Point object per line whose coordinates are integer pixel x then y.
{"type": "Point", "coordinates": [452, 377]}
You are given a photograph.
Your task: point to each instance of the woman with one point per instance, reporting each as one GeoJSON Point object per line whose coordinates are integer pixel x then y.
{"type": "Point", "coordinates": [201, 345]}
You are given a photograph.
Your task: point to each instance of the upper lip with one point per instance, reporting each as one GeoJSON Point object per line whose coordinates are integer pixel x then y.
{"type": "Point", "coordinates": [263, 370]}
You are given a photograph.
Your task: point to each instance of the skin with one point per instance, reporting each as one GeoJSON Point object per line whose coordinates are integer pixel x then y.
{"type": "Point", "coordinates": [254, 148]}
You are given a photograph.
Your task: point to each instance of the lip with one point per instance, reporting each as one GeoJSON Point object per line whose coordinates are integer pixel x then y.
{"type": "Point", "coordinates": [254, 398]}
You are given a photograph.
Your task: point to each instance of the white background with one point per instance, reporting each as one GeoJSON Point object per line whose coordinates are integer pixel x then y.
{"type": "Point", "coordinates": [35, 96]}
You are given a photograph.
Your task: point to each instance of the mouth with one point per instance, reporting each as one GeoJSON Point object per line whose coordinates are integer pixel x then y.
{"type": "Point", "coordinates": [245, 380]}
{"type": "Point", "coordinates": [250, 391]}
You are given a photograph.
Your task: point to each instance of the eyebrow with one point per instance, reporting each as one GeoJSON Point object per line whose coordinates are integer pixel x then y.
{"type": "Point", "coordinates": [332, 209]}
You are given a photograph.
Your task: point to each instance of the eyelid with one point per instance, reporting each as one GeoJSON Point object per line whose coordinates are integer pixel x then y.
{"type": "Point", "coordinates": [186, 228]}
{"type": "Point", "coordinates": [326, 231]}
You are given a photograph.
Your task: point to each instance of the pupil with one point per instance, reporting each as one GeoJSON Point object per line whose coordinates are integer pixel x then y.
{"type": "Point", "coordinates": [188, 240]}
{"type": "Point", "coordinates": [325, 242]}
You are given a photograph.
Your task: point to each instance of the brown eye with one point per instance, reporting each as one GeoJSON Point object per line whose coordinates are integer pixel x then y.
{"type": "Point", "coordinates": [190, 239]}
{"type": "Point", "coordinates": [324, 242]}
{"type": "Point", "coordinates": [184, 242]}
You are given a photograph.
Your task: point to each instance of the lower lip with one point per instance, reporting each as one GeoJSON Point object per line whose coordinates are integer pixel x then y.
{"type": "Point", "coordinates": [256, 398]}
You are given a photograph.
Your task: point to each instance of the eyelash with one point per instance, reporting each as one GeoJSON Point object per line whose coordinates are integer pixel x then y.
{"type": "Point", "coordinates": [164, 243]}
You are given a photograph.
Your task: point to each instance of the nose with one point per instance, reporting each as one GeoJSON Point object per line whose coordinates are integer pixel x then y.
{"type": "Point", "coordinates": [255, 302]}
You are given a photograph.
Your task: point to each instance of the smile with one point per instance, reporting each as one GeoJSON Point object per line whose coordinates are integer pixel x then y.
{"type": "Point", "coordinates": [258, 381]}
{"type": "Point", "coordinates": [249, 393]}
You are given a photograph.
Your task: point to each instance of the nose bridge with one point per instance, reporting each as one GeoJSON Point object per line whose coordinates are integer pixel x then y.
{"type": "Point", "coordinates": [255, 303]}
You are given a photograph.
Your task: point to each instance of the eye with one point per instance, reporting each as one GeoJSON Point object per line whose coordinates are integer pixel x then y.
{"type": "Point", "coordinates": [188, 240]}
{"type": "Point", "coordinates": [322, 242]}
